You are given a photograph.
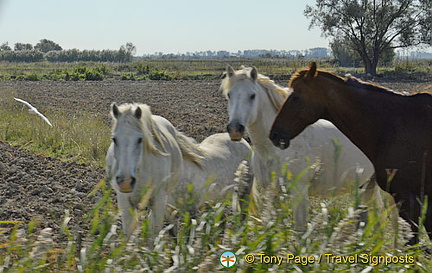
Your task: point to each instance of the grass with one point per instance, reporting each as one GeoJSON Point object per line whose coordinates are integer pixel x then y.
{"type": "Point", "coordinates": [200, 240]}
{"type": "Point", "coordinates": [83, 138]}
{"type": "Point", "coordinates": [178, 69]}
{"type": "Point", "coordinates": [332, 234]}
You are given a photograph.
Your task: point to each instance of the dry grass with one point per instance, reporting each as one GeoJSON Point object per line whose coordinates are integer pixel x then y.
{"type": "Point", "coordinates": [333, 231]}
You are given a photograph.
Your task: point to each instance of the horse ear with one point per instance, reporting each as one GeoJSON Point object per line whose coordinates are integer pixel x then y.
{"type": "Point", "coordinates": [230, 71]}
{"type": "Point", "coordinates": [114, 110]}
{"type": "Point", "coordinates": [254, 73]}
{"type": "Point", "coordinates": [312, 70]}
{"type": "Point", "coordinates": [138, 113]}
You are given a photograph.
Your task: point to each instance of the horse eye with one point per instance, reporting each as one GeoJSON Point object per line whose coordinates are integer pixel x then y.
{"type": "Point", "coordinates": [252, 96]}
{"type": "Point", "coordinates": [140, 140]}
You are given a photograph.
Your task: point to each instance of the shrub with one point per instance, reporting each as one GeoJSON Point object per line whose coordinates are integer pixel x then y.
{"type": "Point", "coordinates": [32, 77]}
{"type": "Point", "coordinates": [92, 75]}
{"type": "Point", "coordinates": [159, 75]}
{"type": "Point", "coordinates": [127, 77]}
{"type": "Point", "coordinates": [142, 69]}
{"type": "Point", "coordinates": [83, 73]}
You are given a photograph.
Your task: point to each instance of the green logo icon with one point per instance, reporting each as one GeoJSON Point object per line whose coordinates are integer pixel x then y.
{"type": "Point", "coordinates": [228, 259]}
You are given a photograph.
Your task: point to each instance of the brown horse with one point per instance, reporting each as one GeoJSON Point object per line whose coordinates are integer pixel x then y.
{"type": "Point", "coordinates": [393, 130]}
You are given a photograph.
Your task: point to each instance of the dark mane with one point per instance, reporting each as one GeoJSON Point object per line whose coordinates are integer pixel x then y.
{"type": "Point", "coordinates": [352, 81]}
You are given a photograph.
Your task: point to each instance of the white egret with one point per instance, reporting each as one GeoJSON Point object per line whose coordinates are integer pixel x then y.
{"type": "Point", "coordinates": [33, 110]}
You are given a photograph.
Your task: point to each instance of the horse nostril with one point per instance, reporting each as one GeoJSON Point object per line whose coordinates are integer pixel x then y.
{"type": "Point", "coordinates": [241, 128]}
{"type": "Point", "coordinates": [273, 136]}
{"type": "Point", "coordinates": [228, 128]}
{"type": "Point", "coordinates": [119, 179]}
{"type": "Point", "coordinates": [133, 181]}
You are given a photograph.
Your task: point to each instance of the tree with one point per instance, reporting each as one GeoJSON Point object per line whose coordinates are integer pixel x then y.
{"type": "Point", "coordinates": [22, 46]}
{"type": "Point", "coordinates": [130, 49]}
{"type": "Point", "coordinates": [370, 27]}
{"type": "Point", "coordinates": [344, 55]}
{"type": "Point", "coordinates": [45, 45]}
{"type": "Point", "coordinates": [426, 22]}
{"type": "Point", "coordinates": [126, 52]}
{"type": "Point", "coordinates": [5, 47]}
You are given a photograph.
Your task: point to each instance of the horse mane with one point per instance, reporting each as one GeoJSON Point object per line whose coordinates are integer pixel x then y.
{"type": "Point", "coordinates": [152, 132]}
{"type": "Point", "coordinates": [190, 148]}
{"type": "Point", "coordinates": [351, 81]}
{"type": "Point", "coordinates": [265, 82]}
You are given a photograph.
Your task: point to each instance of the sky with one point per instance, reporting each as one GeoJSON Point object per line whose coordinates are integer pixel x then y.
{"type": "Point", "coordinates": [168, 26]}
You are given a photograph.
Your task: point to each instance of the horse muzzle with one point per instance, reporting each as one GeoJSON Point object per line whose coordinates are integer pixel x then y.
{"type": "Point", "coordinates": [279, 140]}
{"type": "Point", "coordinates": [235, 131]}
{"type": "Point", "coordinates": [126, 185]}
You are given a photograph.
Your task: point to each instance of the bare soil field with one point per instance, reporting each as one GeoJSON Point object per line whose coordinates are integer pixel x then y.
{"type": "Point", "coordinates": [38, 188]}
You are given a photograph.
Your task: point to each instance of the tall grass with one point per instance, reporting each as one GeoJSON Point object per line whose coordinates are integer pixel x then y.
{"type": "Point", "coordinates": [333, 230]}
{"type": "Point", "coordinates": [83, 137]}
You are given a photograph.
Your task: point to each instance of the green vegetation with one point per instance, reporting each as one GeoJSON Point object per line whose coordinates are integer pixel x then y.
{"type": "Point", "coordinates": [177, 69]}
{"type": "Point", "coordinates": [203, 237]}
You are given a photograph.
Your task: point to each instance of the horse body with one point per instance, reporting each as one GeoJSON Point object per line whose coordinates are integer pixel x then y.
{"type": "Point", "coordinates": [253, 102]}
{"type": "Point", "coordinates": [148, 153]}
{"type": "Point", "coordinates": [213, 175]}
{"type": "Point", "coordinates": [144, 153]}
{"type": "Point", "coordinates": [393, 130]}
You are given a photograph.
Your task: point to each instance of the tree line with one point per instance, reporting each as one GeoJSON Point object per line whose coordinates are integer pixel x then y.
{"type": "Point", "coordinates": [50, 51]}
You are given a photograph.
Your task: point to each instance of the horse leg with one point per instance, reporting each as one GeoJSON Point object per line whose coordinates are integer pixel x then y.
{"type": "Point", "coordinates": [158, 212]}
{"type": "Point", "coordinates": [428, 219]}
{"type": "Point", "coordinates": [300, 205]}
{"type": "Point", "coordinates": [372, 196]}
{"type": "Point", "coordinates": [128, 215]}
{"type": "Point", "coordinates": [394, 217]}
{"type": "Point", "coordinates": [409, 210]}
{"type": "Point", "coordinates": [252, 199]}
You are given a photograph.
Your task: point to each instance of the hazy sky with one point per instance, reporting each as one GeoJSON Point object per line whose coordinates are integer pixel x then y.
{"type": "Point", "coordinates": [168, 26]}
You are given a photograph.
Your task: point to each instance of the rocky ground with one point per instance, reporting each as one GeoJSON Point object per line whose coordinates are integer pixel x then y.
{"type": "Point", "coordinates": [41, 189]}
{"type": "Point", "coordinates": [38, 188]}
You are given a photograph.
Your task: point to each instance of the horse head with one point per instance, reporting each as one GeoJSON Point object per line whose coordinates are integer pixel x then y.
{"type": "Point", "coordinates": [241, 90]}
{"type": "Point", "coordinates": [127, 140]}
{"type": "Point", "coordinates": [300, 109]}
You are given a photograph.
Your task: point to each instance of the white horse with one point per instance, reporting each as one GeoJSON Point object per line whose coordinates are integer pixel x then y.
{"type": "Point", "coordinates": [144, 153]}
{"type": "Point", "coordinates": [253, 102]}
{"type": "Point", "coordinates": [147, 151]}
{"type": "Point", "coordinates": [210, 166]}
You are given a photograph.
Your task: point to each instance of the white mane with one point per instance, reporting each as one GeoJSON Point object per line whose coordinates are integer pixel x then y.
{"type": "Point", "coordinates": [152, 133]}
{"type": "Point", "coordinates": [265, 82]}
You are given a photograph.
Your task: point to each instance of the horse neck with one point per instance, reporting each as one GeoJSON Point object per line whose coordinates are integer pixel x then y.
{"type": "Point", "coordinates": [354, 114]}
{"type": "Point", "coordinates": [259, 129]}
